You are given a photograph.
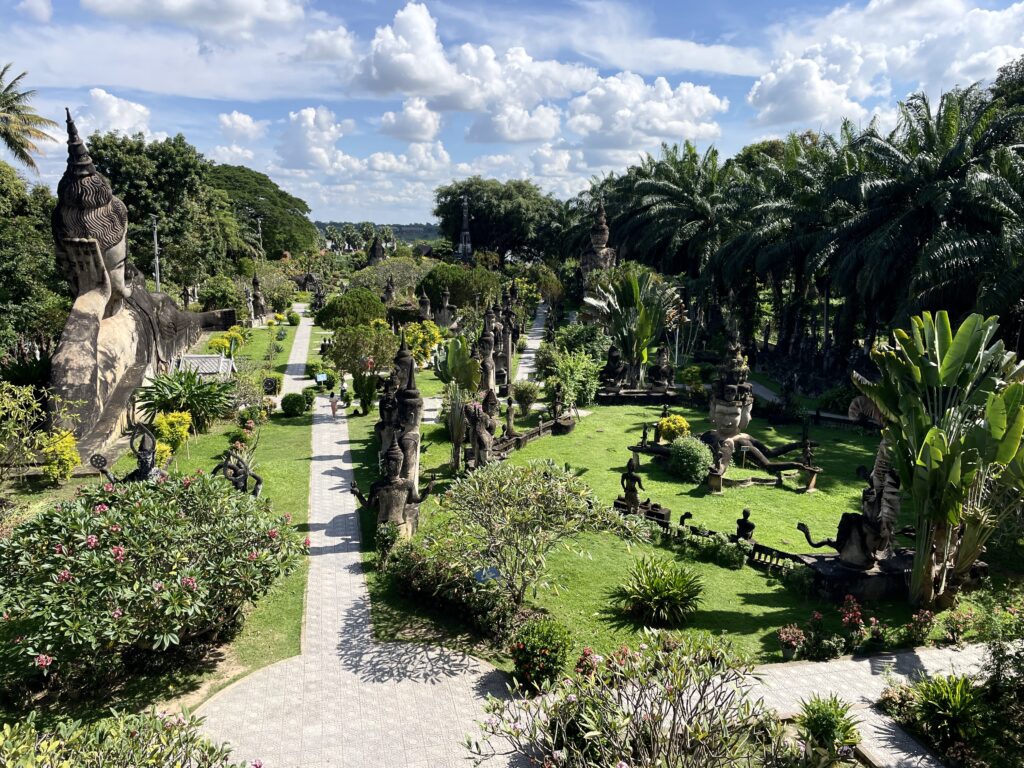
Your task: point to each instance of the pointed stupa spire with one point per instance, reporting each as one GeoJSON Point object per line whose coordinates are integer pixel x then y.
{"type": "Point", "coordinates": [394, 452]}
{"type": "Point", "coordinates": [405, 367]}
{"type": "Point", "coordinates": [599, 232]}
{"type": "Point", "coordinates": [79, 162]}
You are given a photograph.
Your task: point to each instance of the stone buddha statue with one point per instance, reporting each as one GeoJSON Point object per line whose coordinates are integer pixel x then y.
{"type": "Point", "coordinates": [662, 374]}
{"type": "Point", "coordinates": [614, 372]}
{"type": "Point", "coordinates": [117, 333]}
{"type": "Point", "coordinates": [395, 497]}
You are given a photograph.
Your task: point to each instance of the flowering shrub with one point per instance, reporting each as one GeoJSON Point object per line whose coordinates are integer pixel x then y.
{"type": "Point", "coordinates": [60, 456]}
{"type": "Point", "coordinates": [540, 651]}
{"type": "Point", "coordinates": [143, 566]}
{"type": "Point", "coordinates": [916, 631]}
{"type": "Point", "coordinates": [791, 636]}
{"type": "Point", "coordinates": [120, 741]}
{"type": "Point", "coordinates": [637, 708]}
{"type": "Point", "coordinates": [672, 427]}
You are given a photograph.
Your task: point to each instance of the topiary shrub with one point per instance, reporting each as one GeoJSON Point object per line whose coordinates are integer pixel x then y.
{"type": "Point", "coordinates": [172, 427]}
{"type": "Point", "coordinates": [540, 652]}
{"type": "Point", "coordinates": [659, 592]}
{"type": "Point", "coordinates": [525, 393]}
{"type": "Point", "coordinates": [60, 456]}
{"type": "Point", "coordinates": [293, 404]}
{"type": "Point", "coordinates": [690, 459]}
{"type": "Point", "coordinates": [331, 381]}
{"type": "Point", "coordinates": [133, 569]}
{"type": "Point", "coordinates": [293, 318]}
{"type": "Point", "coordinates": [672, 427]}
{"type": "Point", "coordinates": [120, 741]}
{"type": "Point", "coordinates": [313, 367]}
{"type": "Point", "coordinates": [309, 395]}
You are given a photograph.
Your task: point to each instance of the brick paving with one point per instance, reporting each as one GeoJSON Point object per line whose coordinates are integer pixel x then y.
{"type": "Point", "coordinates": [534, 337]}
{"type": "Point", "coordinates": [349, 701]}
{"type": "Point", "coordinates": [860, 681]}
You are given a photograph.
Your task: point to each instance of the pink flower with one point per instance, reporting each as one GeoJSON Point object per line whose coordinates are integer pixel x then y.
{"type": "Point", "coordinates": [200, 472]}
{"type": "Point", "coordinates": [6, 616]}
{"type": "Point", "coordinates": [188, 582]}
{"type": "Point", "coordinates": [100, 508]}
{"type": "Point", "coordinates": [59, 549]}
{"type": "Point", "coordinates": [272, 533]}
{"type": "Point", "coordinates": [306, 543]}
{"type": "Point", "coordinates": [186, 481]}
{"type": "Point", "coordinates": [43, 661]}
{"type": "Point", "coordinates": [64, 576]}
{"type": "Point", "coordinates": [117, 613]}
{"type": "Point", "coordinates": [92, 541]}
{"type": "Point", "coordinates": [118, 553]}
{"type": "Point", "coordinates": [256, 764]}
{"type": "Point", "coordinates": [253, 555]}
{"type": "Point", "coordinates": [108, 487]}
{"type": "Point", "coordinates": [157, 586]}
{"type": "Point", "coordinates": [115, 528]}
{"type": "Point", "coordinates": [287, 517]}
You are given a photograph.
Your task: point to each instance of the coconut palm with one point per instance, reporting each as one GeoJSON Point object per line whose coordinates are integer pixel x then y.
{"type": "Point", "coordinates": [20, 126]}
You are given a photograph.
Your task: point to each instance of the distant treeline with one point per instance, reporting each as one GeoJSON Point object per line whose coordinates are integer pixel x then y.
{"type": "Point", "coordinates": [406, 233]}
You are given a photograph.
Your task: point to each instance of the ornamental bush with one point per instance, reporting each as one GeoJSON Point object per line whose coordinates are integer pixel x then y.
{"type": "Point", "coordinates": [134, 568]}
{"type": "Point", "coordinates": [660, 592]}
{"type": "Point", "coordinates": [60, 456]}
{"type": "Point", "coordinates": [172, 427]}
{"type": "Point", "coordinates": [120, 741]}
{"type": "Point", "coordinates": [359, 306]}
{"type": "Point", "coordinates": [672, 427]}
{"type": "Point", "coordinates": [690, 459]}
{"type": "Point", "coordinates": [293, 404]}
{"type": "Point", "coordinates": [540, 652]}
{"type": "Point", "coordinates": [186, 390]}
{"type": "Point", "coordinates": [309, 395]}
{"type": "Point", "coordinates": [293, 318]}
{"type": "Point", "coordinates": [525, 393]}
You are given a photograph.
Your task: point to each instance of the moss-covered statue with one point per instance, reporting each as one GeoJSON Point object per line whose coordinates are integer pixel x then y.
{"type": "Point", "coordinates": [118, 333]}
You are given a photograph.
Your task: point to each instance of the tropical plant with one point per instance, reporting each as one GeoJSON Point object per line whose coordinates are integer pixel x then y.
{"type": "Point", "coordinates": [186, 390]}
{"type": "Point", "coordinates": [458, 365]}
{"type": "Point", "coordinates": [540, 652]}
{"type": "Point", "coordinates": [20, 126]}
{"type": "Point", "coordinates": [454, 399]}
{"type": "Point", "coordinates": [828, 731]}
{"type": "Point", "coordinates": [633, 307]}
{"type": "Point", "coordinates": [954, 410]}
{"type": "Point", "coordinates": [659, 592]}
{"type": "Point", "coordinates": [948, 708]}
{"type": "Point", "coordinates": [135, 569]}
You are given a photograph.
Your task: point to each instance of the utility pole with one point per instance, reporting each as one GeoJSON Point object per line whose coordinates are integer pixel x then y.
{"type": "Point", "coordinates": [156, 253]}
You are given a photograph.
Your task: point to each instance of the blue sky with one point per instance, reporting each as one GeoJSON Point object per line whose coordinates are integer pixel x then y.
{"type": "Point", "coordinates": [363, 107]}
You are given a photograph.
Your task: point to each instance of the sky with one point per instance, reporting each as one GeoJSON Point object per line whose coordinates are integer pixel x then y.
{"type": "Point", "coordinates": [363, 107]}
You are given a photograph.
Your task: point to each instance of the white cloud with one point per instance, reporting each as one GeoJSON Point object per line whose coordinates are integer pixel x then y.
{"type": "Point", "coordinates": [309, 141]}
{"type": "Point", "coordinates": [231, 155]}
{"type": "Point", "coordinates": [624, 111]}
{"type": "Point", "coordinates": [40, 10]}
{"type": "Point", "coordinates": [336, 44]}
{"type": "Point", "coordinates": [421, 159]}
{"type": "Point", "coordinates": [206, 15]}
{"type": "Point", "coordinates": [798, 91]}
{"type": "Point", "coordinates": [107, 112]}
{"type": "Point", "coordinates": [416, 121]}
{"type": "Point", "coordinates": [239, 126]}
{"type": "Point", "coordinates": [513, 123]}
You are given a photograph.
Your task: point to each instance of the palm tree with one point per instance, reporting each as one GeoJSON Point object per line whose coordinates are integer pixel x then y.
{"type": "Point", "coordinates": [20, 126]}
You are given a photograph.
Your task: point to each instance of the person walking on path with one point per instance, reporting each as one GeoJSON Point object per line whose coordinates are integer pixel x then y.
{"type": "Point", "coordinates": [334, 405]}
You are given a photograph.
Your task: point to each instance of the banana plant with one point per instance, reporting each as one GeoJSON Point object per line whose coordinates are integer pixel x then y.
{"type": "Point", "coordinates": [954, 409]}
{"type": "Point", "coordinates": [457, 364]}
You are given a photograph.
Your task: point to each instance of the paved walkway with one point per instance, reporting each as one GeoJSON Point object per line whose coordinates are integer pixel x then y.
{"type": "Point", "coordinates": [348, 700]}
{"type": "Point", "coordinates": [533, 339]}
{"type": "Point", "coordinates": [295, 373]}
{"type": "Point", "coordinates": [861, 682]}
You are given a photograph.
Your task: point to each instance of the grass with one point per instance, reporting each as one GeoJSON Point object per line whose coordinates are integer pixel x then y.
{"type": "Point", "coordinates": [805, 402]}
{"type": "Point", "coordinates": [746, 605]}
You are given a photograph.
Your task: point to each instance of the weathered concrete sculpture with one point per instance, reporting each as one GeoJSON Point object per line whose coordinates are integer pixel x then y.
{"type": "Point", "coordinates": [445, 316]}
{"type": "Point", "coordinates": [510, 419]}
{"type": "Point", "coordinates": [395, 496]}
{"type": "Point", "coordinates": [857, 541]}
{"type": "Point", "coordinates": [375, 254]}
{"type": "Point", "coordinates": [259, 304]}
{"type": "Point", "coordinates": [745, 528]}
{"type": "Point", "coordinates": [389, 291]}
{"type": "Point", "coordinates": [118, 333]}
{"type": "Point", "coordinates": [614, 372]}
{"type": "Point", "coordinates": [424, 311]}
{"type": "Point", "coordinates": [482, 423]}
{"type": "Point", "coordinates": [631, 482]}
{"type": "Point", "coordinates": [250, 310]}
{"type": "Point", "coordinates": [485, 346]}
{"type": "Point", "coordinates": [662, 374]}
{"type": "Point", "coordinates": [598, 255]}
{"type": "Point", "coordinates": [236, 470]}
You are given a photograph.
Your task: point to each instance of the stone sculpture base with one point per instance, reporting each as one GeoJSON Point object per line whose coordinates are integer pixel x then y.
{"type": "Point", "coordinates": [888, 580]}
{"type": "Point", "coordinates": [654, 512]}
{"type": "Point", "coordinates": [668, 396]}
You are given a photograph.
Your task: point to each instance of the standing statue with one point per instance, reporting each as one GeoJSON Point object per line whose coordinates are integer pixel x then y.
{"type": "Point", "coordinates": [598, 255]}
{"type": "Point", "coordinates": [259, 305]}
{"type": "Point", "coordinates": [510, 418]}
{"type": "Point", "coordinates": [488, 372]}
{"type": "Point", "coordinates": [425, 313]}
{"type": "Point", "coordinates": [445, 315]}
{"type": "Point", "coordinates": [118, 333]}
{"type": "Point", "coordinates": [249, 306]}
{"type": "Point", "coordinates": [482, 424]}
{"type": "Point", "coordinates": [630, 482]}
{"type": "Point", "coordinates": [387, 407]}
{"type": "Point", "coordinates": [395, 496]}
{"type": "Point", "coordinates": [389, 291]}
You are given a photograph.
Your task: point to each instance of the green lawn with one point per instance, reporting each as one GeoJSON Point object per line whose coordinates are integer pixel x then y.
{"type": "Point", "coordinates": [256, 347]}
{"type": "Point", "coordinates": [745, 604]}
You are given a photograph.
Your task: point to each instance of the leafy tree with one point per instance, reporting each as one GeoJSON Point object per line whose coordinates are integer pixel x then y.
{"type": "Point", "coordinates": [221, 292]}
{"type": "Point", "coordinates": [362, 351]}
{"type": "Point", "coordinates": [20, 126]}
{"type": "Point", "coordinates": [282, 217]}
{"type": "Point", "coordinates": [405, 271]}
{"type": "Point", "coordinates": [954, 410]}
{"type": "Point", "coordinates": [357, 306]}
{"type": "Point", "coordinates": [505, 217]}
{"type": "Point", "coordinates": [467, 286]}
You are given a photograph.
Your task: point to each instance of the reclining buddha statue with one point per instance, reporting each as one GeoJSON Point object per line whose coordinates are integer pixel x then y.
{"type": "Point", "coordinates": [118, 333]}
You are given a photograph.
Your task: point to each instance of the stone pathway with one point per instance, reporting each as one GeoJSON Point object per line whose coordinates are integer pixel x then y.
{"type": "Point", "coordinates": [348, 700]}
{"type": "Point", "coordinates": [295, 373]}
{"type": "Point", "coordinates": [533, 339]}
{"type": "Point", "coordinates": [860, 682]}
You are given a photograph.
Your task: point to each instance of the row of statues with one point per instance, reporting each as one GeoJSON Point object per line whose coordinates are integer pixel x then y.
{"type": "Point", "coordinates": [616, 374]}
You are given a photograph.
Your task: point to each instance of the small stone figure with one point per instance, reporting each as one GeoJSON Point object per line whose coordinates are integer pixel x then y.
{"type": "Point", "coordinates": [259, 305]}
{"type": "Point", "coordinates": [389, 291]}
{"type": "Point", "coordinates": [510, 418]}
{"type": "Point", "coordinates": [425, 313]}
{"type": "Point", "coordinates": [614, 372]}
{"type": "Point", "coordinates": [657, 432]}
{"type": "Point", "coordinates": [643, 439]}
{"type": "Point", "coordinates": [630, 482]}
{"type": "Point", "coordinates": [396, 498]}
{"type": "Point", "coordinates": [319, 295]}
{"type": "Point", "coordinates": [143, 445]}
{"type": "Point", "coordinates": [662, 373]}
{"type": "Point", "coordinates": [249, 306]}
{"type": "Point", "coordinates": [236, 470]}
{"type": "Point", "coordinates": [557, 406]}
{"type": "Point", "coordinates": [745, 528]}
{"type": "Point", "coordinates": [445, 315]}
{"type": "Point", "coordinates": [482, 426]}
